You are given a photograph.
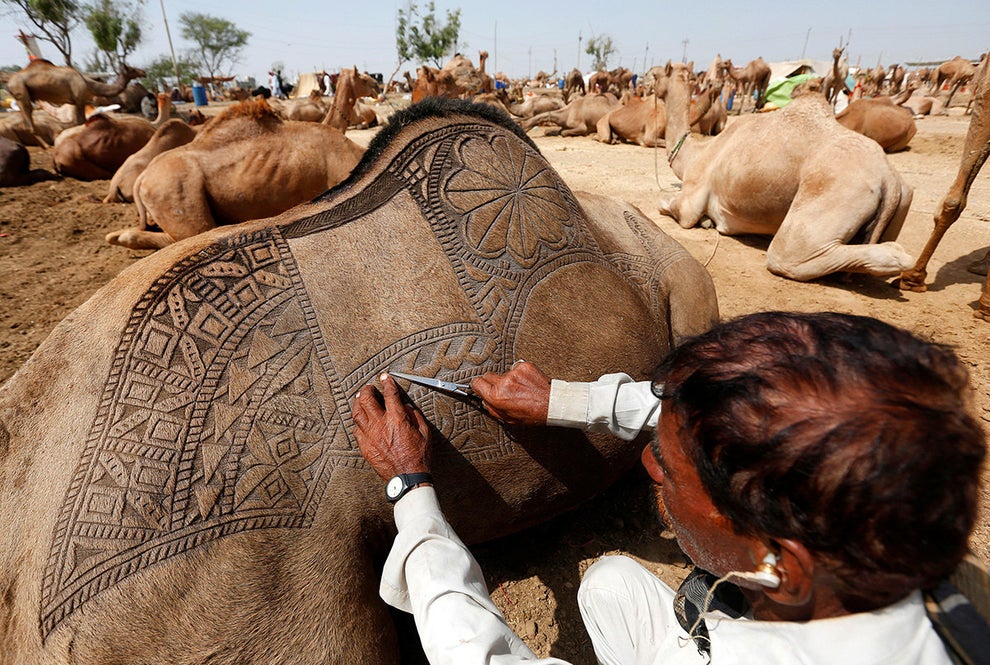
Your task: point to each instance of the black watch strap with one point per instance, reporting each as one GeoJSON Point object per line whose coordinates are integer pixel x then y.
{"type": "Point", "coordinates": [402, 483]}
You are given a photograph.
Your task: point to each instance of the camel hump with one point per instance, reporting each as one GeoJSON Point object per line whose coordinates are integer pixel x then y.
{"type": "Point", "coordinates": [257, 110]}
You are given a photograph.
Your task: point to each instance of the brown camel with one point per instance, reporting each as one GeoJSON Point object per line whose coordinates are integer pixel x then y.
{"type": "Point", "coordinates": [171, 134]}
{"type": "Point", "coordinates": [62, 85]}
{"type": "Point", "coordinates": [579, 118]}
{"type": "Point", "coordinates": [751, 81]}
{"type": "Point", "coordinates": [469, 80]}
{"type": "Point", "coordinates": [573, 84]}
{"type": "Point", "coordinates": [954, 73]}
{"type": "Point", "coordinates": [245, 164]}
{"type": "Point", "coordinates": [641, 120]}
{"type": "Point", "coordinates": [975, 151]}
{"type": "Point", "coordinates": [826, 194]}
{"type": "Point", "coordinates": [433, 82]}
{"type": "Point", "coordinates": [15, 166]}
{"type": "Point", "coordinates": [881, 119]}
{"type": "Point", "coordinates": [896, 77]}
{"type": "Point", "coordinates": [46, 128]}
{"type": "Point", "coordinates": [310, 109]}
{"type": "Point", "coordinates": [835, 80]}
{"type": "Point", "coordinates": [129, 98]}
{"type": "Point", "coordinates": [180, 478]}
{"type": "Point", "coordinates": [98, 148]}
{"type": "Point", "coordinates": [352, 85]}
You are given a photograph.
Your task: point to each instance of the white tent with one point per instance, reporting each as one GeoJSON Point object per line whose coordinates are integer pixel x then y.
{"type": "Point", "coordinates": [785, 69]}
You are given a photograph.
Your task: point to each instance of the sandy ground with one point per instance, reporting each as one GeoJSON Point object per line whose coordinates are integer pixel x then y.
{"type": "Point", "coordinates": [52, 257]}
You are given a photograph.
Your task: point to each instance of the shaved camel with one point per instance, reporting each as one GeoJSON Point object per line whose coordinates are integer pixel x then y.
{"type": "Point", "coordinates": [98, 148]}
{"type": "Point", "coordinates": [352, 85]}
{"type": "Point", "coordinates": [975, 151]}
{"type": "Point", "coordinates": [881, 119]}
{"type": "Point", "coordinates": [246, 164]}
{"type": "Point", "coordinates": [579, 118]}
{"type": "Point", "coordinates": [62, 85]}
{"type": "Point", "coordinates": [826, 194]}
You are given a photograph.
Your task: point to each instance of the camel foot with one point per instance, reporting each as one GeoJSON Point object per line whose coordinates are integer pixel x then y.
{"type": "Point", "coordinates": [982, 314]}
{"type": "Point", "coordinates": [907, 284]}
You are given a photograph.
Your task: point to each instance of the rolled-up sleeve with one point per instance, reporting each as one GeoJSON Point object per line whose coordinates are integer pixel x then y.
{"type": "Point", "coordinates": [614, 403]}
{"type": "Point", "coordinates": [430, 573]}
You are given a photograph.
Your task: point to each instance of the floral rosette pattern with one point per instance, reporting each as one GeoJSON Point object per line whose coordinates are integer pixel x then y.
{"type": "Point", "coordinates": [509, 199]}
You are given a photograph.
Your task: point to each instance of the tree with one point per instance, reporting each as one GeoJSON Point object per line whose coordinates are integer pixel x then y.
{"type": "Point", "coordinates": [422, 37]}
{"type": "Point", "coordinates": [116, 28]}
{"type": "Point", "coordinates": [160, 75]}
{"type": "Point", "coordinates": [218, 41]}
{"type": "Point", "coordinates": [600, 48]}
{"type": "Point", "coordinates": [54, 19]}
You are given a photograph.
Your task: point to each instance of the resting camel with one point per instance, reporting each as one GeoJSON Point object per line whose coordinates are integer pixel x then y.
{"type": "Point", "coordinates": [351, 86]}
{"type": "Point", "coordinates": [310, 109]}
{"type": "Point", "coordinates": [171, 134]}
{"type": "Point", "coordinates": [579, 118]}
{"type": "Point", "coordinates": [61, 85]}
{"type": "Point", "coordinates": [751, 81]}
{"type": "Point", "coordinates": [15, 165]}
{"type": "Point", "coordinates": [179, 475]}
{"type": "Point", "coordinates": [433, 82]}
{"type": "Point", "coordinates": [470, 81]}
{"type": "Point", "coordinates": [536, 104]}
{"type": "Point", "coordinates": [46, 128]}
{"type": "Point", "coordinates": [881, 119]}
{"type": "Point", "coordinates": [975, 151]}
{"type": "Point", "coordinates": [246, 164]}
{"type": "Point", "coordinates": [919, 102]}
{"type": "Point", "coordinates": [641, 120]}
{"type": "Point", "coordinates": [573, 84]}
{"type": "Point", "coordinates": [98, 148]}
{"type": "Point", "coordinates": [826, 194]}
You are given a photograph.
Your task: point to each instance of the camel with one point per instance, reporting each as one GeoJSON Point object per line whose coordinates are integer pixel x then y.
{"type": "Point", "coordinates": [715, 74]}
{"type": "Point", "coordinates": [709, 110]}
{"type": "Point", "coordinates": [15, 165]}
{"type": "Point", "coordinates": [469, 80]}
{"type": "Point", "coordinates": [896, 77]}
{"type": "Point", "coordinates": [432, 82]}
{"type": "Point", "coordinates": [129, 98]}
{"type": "Point", "coordinates": [875, 80]}
{"type": "Point", "coordinates": [579, 118]}
{"type": "Point", "coordinates": [98, 148]}
{"type": "Point", "coordinates": [826, 194]}
{"type": "Point", "coordinates": [573, 84]}
{"type": "Point", "coordinates": [46, 128]}
{"type": "Point", "coordinates": [171, 134]}
{"type": "Point", "coordinates": [246, 164]}
{"type": "Point", "coordinates": [955, 73]}
{"type": "Point", "coordinates": [976, 149]}
{"type": "Point", "coordinates": [751, 81]}
{"type": "Point", "coordinates": [919, 102]}
{"type": "Point", "coordinates": [310, 109]}
{"type": "Point", "coordinates": [179, 475]}
{"type": "Point", "coordinates": [536, 104]}
{"type": "Point", "coordinates": [62, 85]}
{"type": "Point", "coordinates": [641, 120]}
{"type": "Point", "coordinates": [835, 80]}
{"type": "Point", "coordinates": [352, 85]}
{"type": "Point", "coordinates": [881, 119]}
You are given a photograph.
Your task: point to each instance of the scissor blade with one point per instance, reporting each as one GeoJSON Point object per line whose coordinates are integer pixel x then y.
{"type": "Point", "coordinates": [430, 382]}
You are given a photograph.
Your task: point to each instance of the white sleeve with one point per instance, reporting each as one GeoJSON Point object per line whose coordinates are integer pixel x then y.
{"type": "Point", "coordinates": [614, 403]}
{"type": "Point", "coordinates": [430, 573]}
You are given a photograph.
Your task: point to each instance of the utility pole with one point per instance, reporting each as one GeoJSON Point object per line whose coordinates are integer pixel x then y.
{"type": "Point", "coordinates": [805, 49]}
{"type": "Point", "coordinates": [495, 48]}
{"type": "Point", "coordinates": [684, 55]}
{"type": "Point", "coordinates": [579, 50]}
{"type": "Point", "coordinates": [175, 64]}
{"type": "Point", "coordinates": [529, 71]}
{"type": "Point", "coordinates": [646, 66]}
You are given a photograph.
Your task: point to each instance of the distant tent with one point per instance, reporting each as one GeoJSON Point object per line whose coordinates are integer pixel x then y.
{"type": "Point", "coordinates": [306, 84]}
{"type": "Point", "coordinates": [788, 68]}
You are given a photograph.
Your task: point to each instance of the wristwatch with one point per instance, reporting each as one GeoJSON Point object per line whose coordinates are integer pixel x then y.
{"type": "Point", "coordinates": [402, 483]}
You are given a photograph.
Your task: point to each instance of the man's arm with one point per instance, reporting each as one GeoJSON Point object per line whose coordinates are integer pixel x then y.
{"type": "Point", "coordinates": [525, 396]}
{"type": "Point", "coordinates": [429, 572]}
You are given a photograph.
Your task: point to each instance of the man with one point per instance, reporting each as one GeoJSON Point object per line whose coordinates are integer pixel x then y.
{"type": "Point", "coordinates": [826, 464]}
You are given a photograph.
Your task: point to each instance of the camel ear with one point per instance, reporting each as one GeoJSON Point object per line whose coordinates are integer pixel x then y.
{"type": "Point", "coordinates": [355, 70]}
{"type": "Point", "coordinates": [668, 68]}
{"type": "Point", "coordinates": [691, 66]}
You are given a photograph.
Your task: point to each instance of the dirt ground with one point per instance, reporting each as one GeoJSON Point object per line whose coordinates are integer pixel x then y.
{"type": "Point", "coordinates": [52, 257]}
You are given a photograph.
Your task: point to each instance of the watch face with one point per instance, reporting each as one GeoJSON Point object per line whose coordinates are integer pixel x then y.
{"type": "Point", "coordinates": [394, 487]}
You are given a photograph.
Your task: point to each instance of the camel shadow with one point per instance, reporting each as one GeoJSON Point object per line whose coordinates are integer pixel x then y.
{"type": "Point", "coordinates": [556, 553]}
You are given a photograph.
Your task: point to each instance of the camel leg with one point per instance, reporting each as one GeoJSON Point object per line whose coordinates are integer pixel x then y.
{"type": "Point", "coordinates": [137, 238]}
{"type": "Point", "coordinates": [688, 207]}
{"type": "Point", "coordinates": [983, 310]}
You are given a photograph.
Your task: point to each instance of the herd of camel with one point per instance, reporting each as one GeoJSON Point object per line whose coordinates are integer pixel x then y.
{"type": "Point", "coordinates": [263, 156]}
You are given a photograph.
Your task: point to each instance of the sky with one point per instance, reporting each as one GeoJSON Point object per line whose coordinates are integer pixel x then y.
{"type": "Point", "coordinates": [524, 37]}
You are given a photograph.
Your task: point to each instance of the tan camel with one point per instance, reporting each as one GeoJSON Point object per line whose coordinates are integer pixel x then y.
{"type": "Point", "coordinates": [433, 82]}
{"type": "Point", "coordinates": [896, 77]}
{"type": "Point", "coordinates": [641, 120]}
{"type": "Point", "coordinates": [976, 149]}
{"type": "Point", "coordinates": [715, 74]}
{"type": "Point", "coordinates": [46, 128]}
{"type": "Point", "coordinates": [875, 80]}
{"type": "Point", "coordinates": [919, 102]}
{"type": "Point", "coordinates": [835, 79]}
{"type": "Point", "coordinates": [826, 194]}
{"type": "Point", "coordinates": [573, 84]}
{"type": "Point", "coordinates": [310, 109]}
{"type": "Point", "coordinates": [535, 104]}
{"type": "Point", "coordinates": [246, 164]}
{"type": "Point", "coordinates": [171, 134]}
{"type": "Point", "coordinates": [955, 73]}
{"type": "Point", "coordinates": [579, 118]}
{"type": "Point", "coordinates": [97, 149]}
{"type": "Point", "coordinates": [62, 85]}
{"type": "Point", "coordinates": [352, 85]}
{"type": "Point", "coordinates": [751, 81]}
{"type": "Point", "coordinates": [881, 119]}
{"type": "Point", "coordinates": [469, 80]}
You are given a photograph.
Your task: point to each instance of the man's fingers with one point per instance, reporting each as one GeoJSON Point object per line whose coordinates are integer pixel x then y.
{"type": "Point", "coordinates": [369, 403]}
{"type": "Point", "coordinates": [390, 389]}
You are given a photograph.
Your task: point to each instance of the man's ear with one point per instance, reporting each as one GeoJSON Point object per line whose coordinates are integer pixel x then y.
{"type": "Point", "coordinates": [796, 569]}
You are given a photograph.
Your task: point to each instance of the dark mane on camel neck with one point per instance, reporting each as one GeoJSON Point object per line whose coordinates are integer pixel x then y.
{"type": "Point", "coordinates": [429, 107]}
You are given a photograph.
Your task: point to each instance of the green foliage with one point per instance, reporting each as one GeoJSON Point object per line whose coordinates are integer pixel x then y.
{"type": "Point", "coordinates": [54, 19]}
{"type": "Point", "coordinates": [421, 37]}
{"type": "Point", "coordinates": [600, 48]}
{"type": "Point", "coordinates": [219, 42]}
{"type": "Point", "coordinates": [160, 74]}
{"type": "Point", "coordinates": [115, 27]}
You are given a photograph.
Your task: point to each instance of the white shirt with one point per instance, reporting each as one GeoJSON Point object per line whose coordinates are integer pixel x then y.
{"type": "Point", "coordinates": [614, 403]}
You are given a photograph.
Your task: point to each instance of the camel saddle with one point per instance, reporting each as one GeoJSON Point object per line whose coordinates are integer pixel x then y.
{"type": "Point", "coordinates": [180, 478]}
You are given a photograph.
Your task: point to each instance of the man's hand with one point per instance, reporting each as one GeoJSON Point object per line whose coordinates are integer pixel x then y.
{"type": "Point", "coordinates": [395, 438]}
{"type": "Point", "coordinates": [521, 396]}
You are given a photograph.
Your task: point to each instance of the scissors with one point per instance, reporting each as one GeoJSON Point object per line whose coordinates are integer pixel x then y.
{"type": "Point", "coordinates": [462, 389]}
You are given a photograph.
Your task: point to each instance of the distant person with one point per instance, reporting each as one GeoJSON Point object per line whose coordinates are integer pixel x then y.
{"type": "Point", "coordinates": [275, 85]}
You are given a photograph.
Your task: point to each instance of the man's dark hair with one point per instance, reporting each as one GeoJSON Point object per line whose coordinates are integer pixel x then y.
{"type": "Point", "coordinates": [841, 432]}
